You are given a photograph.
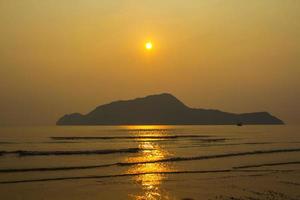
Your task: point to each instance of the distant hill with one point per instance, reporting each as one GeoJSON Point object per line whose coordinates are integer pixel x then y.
{"type": "Point", "coordinates": [162, 109]}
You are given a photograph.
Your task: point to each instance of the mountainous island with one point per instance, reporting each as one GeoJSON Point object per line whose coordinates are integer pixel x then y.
{"type": "Point", "coordinates": [163, 109]}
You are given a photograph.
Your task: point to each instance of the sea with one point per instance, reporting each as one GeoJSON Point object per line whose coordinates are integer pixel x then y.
{"type": "Point", "coordinates": [150, 162]}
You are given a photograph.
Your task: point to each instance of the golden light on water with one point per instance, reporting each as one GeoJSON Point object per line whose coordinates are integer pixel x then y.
{"type": "Point", "coordinates": [150, 180]}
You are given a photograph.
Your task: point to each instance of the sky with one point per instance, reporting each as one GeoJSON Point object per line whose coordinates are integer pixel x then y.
{"type": "Point", "coordinates": [65, 56]}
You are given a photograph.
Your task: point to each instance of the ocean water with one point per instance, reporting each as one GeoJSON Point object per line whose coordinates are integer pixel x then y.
{"type": "Point", "coordinates": [150, 162]}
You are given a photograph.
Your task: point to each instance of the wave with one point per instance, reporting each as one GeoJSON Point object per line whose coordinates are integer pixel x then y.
{"type": "Point", "coordinates": [268, 165]}
{"type": "Point", "coordinates": [178, 159]}
{"type": "Point", "coordinates": [136, 174]}
{"type": "Point", "coordinates": [225, 144]}
{"type": "Point", "coordinates": [173, 159]}
{"type": "Point", "coordinates": [108, 176]}
{"type": "Point", "coordinates": [204, 137]}
{"type": "Point", "coordinates": [41, 169]}
{"type": "Point", "coordinates": [64, 153]}
{"type": "Point", "coordinates": [1, 142]}
{"type": "Point", "coordinates": [290, 183]}
{"type": "Point", "coordinates": [235, 144]}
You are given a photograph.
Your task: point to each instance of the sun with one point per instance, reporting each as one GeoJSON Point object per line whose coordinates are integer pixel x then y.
{"type": "Point", "coordinates": [149, 45]}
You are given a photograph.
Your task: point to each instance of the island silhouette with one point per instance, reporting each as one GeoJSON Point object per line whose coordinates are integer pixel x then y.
{"type": "Point", "coordinates": [162, 109]}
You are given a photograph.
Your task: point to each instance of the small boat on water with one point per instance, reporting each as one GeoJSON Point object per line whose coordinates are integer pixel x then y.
{"type": "Point", "coordinates": [239, 124]}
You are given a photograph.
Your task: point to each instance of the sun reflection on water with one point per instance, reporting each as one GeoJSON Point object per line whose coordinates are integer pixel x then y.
{"type": "Point", "coordinates": [149, 180]}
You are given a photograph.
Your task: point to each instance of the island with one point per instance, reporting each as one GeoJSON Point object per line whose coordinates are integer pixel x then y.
{"type": "Point", "coordinates": [162, 109]}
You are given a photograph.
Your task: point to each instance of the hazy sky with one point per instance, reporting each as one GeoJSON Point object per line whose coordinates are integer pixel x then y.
{"type": "Point", "coordinates": [64, 56]}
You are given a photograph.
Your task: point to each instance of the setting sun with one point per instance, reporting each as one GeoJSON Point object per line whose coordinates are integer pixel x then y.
{"type": "Point", "coordinates": [148, 45]}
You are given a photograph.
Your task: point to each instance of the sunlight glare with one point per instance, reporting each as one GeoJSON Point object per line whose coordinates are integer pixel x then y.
{"type": "Point", "coordinates": [149, 45]}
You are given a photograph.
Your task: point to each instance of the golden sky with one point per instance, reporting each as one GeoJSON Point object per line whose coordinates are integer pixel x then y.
{"type": "Point", "coordinates": [64, 56]}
